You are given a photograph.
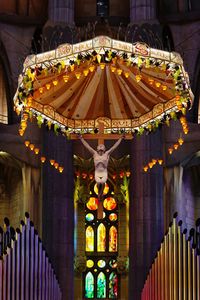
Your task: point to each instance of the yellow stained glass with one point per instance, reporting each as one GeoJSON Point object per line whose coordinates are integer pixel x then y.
{"type": "Point", "coordinates": [113, 239]}
{"type": "Point", "coordinates": [109, 203]}
{"type": "Point", "coordinates": [92, 204]}
{"type": "Point", "coordinates": [89, 263]}
{"type": "Point", "coordinates": [105, 190]}
{"type": "Point", "coordinates": [89, 237]}
{"type": "Point", "coordinates": [101, 238]}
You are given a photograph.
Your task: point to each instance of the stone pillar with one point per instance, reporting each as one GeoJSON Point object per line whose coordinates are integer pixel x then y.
{"type": "Point", "coordinates": [143, 10]}
{"type": "Point", "coordinates": [61, 11]}
{"type": "Point", "coordinates": [146, 210]}
{"type": "Point", "coordinates": [58, 211]}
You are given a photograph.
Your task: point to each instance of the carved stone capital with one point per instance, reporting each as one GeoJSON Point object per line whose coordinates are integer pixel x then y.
{"type": "Point", "coordinates": [80, 263]}
{"type": "Point", "coordinates": [122, 264]}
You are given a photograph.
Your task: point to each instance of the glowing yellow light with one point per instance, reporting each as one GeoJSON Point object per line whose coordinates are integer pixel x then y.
{"type": "Point", "coordinates": [25, 116]}
{"type": "Point", "coordinates": [78, 75]}
{"type": "Point", "coordinates": [145, 168]}
{"type": "Point", "coordinates": [180, 141]}
{"type": "Point", "coordinates": [32, 146]}
{"type": "Point", "coordinates": [158, 84]}
{"type": "Point", "coordinates": [99, 58]}
{"type": "Point", "coordinates": [21, 132]}
{"type": "Point", "coordinates": [151, 81]}
{"type": "Point", "coordinates": [56, 165]}
{"type": "Point", "coordinates": [178, 97]}
{"type": "Point", "coordinates": [164, 87]}
{"type": "Point", "coordinates": [72, 68]}
{"type": "Point", "coordinates": [176, 146]}
{"type": "Point", "coordinates": [29, 102]}
{"type": "Point", "coordinates": [65, 78]}
{"type": "Point", "coordinates": [170, 150]}
{"type": "Point", "coordinates": [43, 159]}
{"type": "Point", "coordinates": [138, 77]}
{"type": "Point", "coordinates": [23, 124]}
{"type": "Point", "coordinates": [126, 74]}
{"type": "Point", "coordinates": [55, 82]}
{"type": "Point", "coordinates": [113, 69]}
{"type": "Point", "coordinates": [27, 143]}
{"type": "Point", "coordinates": [61, 169]}
{"type": "Point", "coordinates": [119, 71]}
{"type": "Point", "coordinates": [128, 173]}
{"type": "Point", "coordinates": [52, 161]}
{"type": "Point", "coordinates": [151, 164]}
{"type": "Point", "coordinates": [36, 150]}
{"type": "Point", "coordinates": [91, 68]}
{"type": "Point", "coordinates": [154, 161]}
{"type": "Point", "coordinates": [48, 85]}
{"type": "Point", "coordinates": [102, 66]}
{"type": "Point", "coordinates": [85, 72]}
{"type": "Point", "coordinates": [41, 90]}
{"type": "Point", "coordinates": [160, 161]}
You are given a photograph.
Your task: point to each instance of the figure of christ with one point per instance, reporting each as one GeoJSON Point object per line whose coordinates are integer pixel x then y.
{"type": "Point", "coordinates": [101, 159]}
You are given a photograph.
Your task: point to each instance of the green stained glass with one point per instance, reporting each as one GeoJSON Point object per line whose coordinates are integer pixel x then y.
{"type": "Point", "coordinates": [89, 217]}
{"type": "Point", "coordinates": [89, 286]}
{"type": "Point", "coordinates": [101, 285]}
{"type": "Point", "coordinates": [113, 285]}
{"type": "Point", "coordinates": [101, 263]}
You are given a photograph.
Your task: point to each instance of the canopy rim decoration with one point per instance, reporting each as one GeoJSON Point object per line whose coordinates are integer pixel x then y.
{"type": "Point", "coordinates": [96, 54]}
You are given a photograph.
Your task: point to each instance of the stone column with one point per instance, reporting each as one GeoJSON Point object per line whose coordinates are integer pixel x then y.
{"type": "Point", "coordinates": [61, 11]}
{"type": "Point", "coordinates": [146, 210]}
{"type": "Point", "coordinates": [58, 209]}
{"type": "Point", "coordinates": [143, 10]}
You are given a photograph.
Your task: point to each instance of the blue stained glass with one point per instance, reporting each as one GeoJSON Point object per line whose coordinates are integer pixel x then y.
{"type": "Point", "coordinates": [101, 285]}
{"type": "Point", "coordinates": [89, 286]}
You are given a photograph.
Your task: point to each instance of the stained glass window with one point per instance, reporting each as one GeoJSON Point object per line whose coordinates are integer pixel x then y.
{"type": "Point", "coordinates": [101, 246]}
{"type": "Point", "coordinates": [101, 238]}
{"type": "Point", "coordinates": [89, 285]}
{"type": "Point", "coordinates": [113, 285]}
{"type": "Point", "coordinates": [113, 239]}
{"type": "Point", "coordinates": [3, 99]}
{"type": "Point", "coordinates": [89, 245]}
{"type": "Point", "coordinates": [101, 285]}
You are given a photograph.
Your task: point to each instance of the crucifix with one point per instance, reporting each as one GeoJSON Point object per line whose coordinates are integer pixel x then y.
{"type": "Point", "coordinates": [101, 158]}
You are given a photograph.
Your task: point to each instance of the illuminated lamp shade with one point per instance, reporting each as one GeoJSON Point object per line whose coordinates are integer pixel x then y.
{"type": "Point", "coordinates": [105, 191]}
{"type": "Point", "coordinates": [65, 78]}
{"type": "Point", "coordinates": [52, 161]}
{"type": "Point", "coordinates": [164, 87]}
{"type": "Point", "coordinates": [128, 173]}
{"type": "Point", "coordinates": [91, 68]}
{"type": "Point", "coordinates": [158, 84]}
{"type": "Point", "coordinates": [55, 82]}
{"type": "Point", "coordinates": [151, 164]}
{"type": "Point", "coordinates": [41, 90]}
{"type": "Point", "coordinates": [78, 75]}
{"type": "Point", "coordinates": [27, 143]}
{"type": "Point", "coordinates": [113, 69]}
{"type": "Point", "coordinates": [56, 165]}
{"type": "Point", "coordinates": [109, 203]}
{"type": "Point", "coordinates": [145, 168]}
{"type": "Point", "coordinates": [48, 86]}
{"type": "Point", "coordinates": [170, 150]}
{"type": "Point", "coordinates": [43, 159]}
{"type": "Point", "coordinates": [138, 78]}
{"type": "Point", "coordinates": [113, 217]}
{"type": "Point", "coordinates": [126, 74]}
{"type": "Point", "coordinates": [102, 66]}
{"type": "Point", "coordinates": [92, 204]}
{"type": "Point", "coordinates": [72, 68]}
{"type": "Point", "coordinates": [119, 71]}
{"type": "Point", "coordinates": [23, 124]}
{"type": "Point", "coordinates": [151, 81]}
{"type": "Point", "coordinates": [154, 161]}
{"type": "Point", "coordinates": [21, 132]}
{"type": "Point", "coordinates": [180, 141]}
{"type": "Point", "coordinates": [36, 150]}
{"type": "Point", "coordinates": [121, 174]}
{"type": "Point", "coordinates": [176, 146]}
{"type": "Point", "coordinates": [86, 72]}
{"type": "Point", "coordinates": [25, 116]}
{"type": "Point", "coordinates": [91, 176]}
{"type": "Point", "coordinates": [160, 161]}
{"type": "Point", "coordinates": [32, 146]}
{"type": "Point", "coordinates": [60, 169]}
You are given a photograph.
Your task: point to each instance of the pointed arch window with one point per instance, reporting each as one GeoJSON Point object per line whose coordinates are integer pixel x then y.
{"type": "Point", "coordinates": [3, 97]}
{"type": "Point", "coordinates": [101, 280]}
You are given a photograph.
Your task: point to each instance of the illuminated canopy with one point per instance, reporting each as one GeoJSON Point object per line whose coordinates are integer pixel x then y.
{"type": "Point", "coordinates": [128, 86]}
